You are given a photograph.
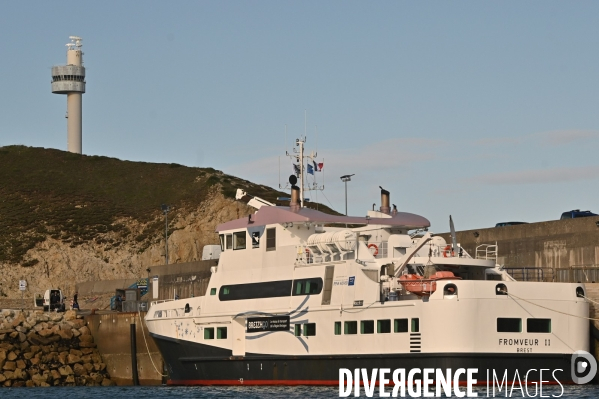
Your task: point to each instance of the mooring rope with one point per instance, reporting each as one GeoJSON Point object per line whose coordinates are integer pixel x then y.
{"type": "Point", "coordinates": [553, 310]}
{"type": "Point", "coordinates": [147, 347]}
{"type": "Point", "coordinates": [590, 300]}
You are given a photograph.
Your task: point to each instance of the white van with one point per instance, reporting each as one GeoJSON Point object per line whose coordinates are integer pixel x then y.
{"type": "Point", "coordinates": [51, 300]}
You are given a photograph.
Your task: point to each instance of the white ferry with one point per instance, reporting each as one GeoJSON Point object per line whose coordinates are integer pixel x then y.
{"type": "Point", "coordinates": [299, 294]}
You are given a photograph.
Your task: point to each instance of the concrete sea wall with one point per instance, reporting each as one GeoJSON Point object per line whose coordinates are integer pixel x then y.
{"type": "Point", "coordinates": [112, 334]}
{"type": "Point", "coordinates": [553, 246]}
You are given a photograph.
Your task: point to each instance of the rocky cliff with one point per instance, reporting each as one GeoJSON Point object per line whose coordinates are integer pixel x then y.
{"type": "Point", "coordinates": [67, 218]}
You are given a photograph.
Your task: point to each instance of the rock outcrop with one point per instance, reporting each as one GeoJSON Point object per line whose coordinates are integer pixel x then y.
{"type": "Point", "coordinates": [62, 265]}
{"type": "Point", "coordinates": [48, 349]}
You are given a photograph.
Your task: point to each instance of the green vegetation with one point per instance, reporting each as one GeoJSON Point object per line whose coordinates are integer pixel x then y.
{"type": "Point", "coordinates": [77, 198]}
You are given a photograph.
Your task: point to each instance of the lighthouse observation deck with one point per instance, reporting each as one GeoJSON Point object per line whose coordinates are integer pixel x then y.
{"type": "Point", "coordinates": [68, 78]}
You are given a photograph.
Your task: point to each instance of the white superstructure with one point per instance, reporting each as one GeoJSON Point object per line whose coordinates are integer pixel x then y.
{"type": "Point", "coordinates": [298, 294]}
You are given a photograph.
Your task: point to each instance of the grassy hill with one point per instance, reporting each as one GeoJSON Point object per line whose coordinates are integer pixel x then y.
{"type": "Point", "coordinates": [76, 198]}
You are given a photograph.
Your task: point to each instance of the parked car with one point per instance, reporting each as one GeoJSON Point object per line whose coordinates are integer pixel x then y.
{"type": "Point", "coordinates": [577, 213]}
{"type": "Point", "coordinates": [52, 299]}
{"type": "Point", "coordinates": [503, 224]}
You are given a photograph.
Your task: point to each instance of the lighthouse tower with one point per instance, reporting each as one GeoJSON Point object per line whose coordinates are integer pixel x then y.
{"type": "Point", "coordinates": [70, 80]}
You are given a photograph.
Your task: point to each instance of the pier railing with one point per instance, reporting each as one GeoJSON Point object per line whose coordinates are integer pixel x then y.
{"type": "Point", "coordinates": [530, 273]}
{"type": "Point", "coordinates": [578, 274]}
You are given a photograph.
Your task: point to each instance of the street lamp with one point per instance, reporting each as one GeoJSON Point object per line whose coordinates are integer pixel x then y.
{"type": "Point", "coordinates": [345, 179]}
{"type": "Point", "coordinates": [165, 209]}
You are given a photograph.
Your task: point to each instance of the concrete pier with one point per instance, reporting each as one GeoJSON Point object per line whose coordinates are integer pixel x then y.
{"type": "Point", "coordinates": [111, 333]}
{"type": "Point", "coordinates": [560, 250]}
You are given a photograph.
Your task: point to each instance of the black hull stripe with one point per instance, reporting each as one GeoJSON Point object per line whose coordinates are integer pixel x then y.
{"type": "Point", "coordinates": [190, 363]}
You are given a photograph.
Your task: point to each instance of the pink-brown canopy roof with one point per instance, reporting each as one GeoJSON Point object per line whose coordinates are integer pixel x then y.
{"type": "Point", "coordinates": [279, 214]}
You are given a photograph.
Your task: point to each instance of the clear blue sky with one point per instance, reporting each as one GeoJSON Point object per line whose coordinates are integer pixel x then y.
{"type": "Point", "coordinates": [483, 110]}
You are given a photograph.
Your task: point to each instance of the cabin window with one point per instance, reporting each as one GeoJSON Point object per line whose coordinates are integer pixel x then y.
{"type": "Point", "coordinates": [158, 313]}
{"type": "Point", "coordinates": [351, 327]}
{"type": "Point", "coordinates": [255, 236]}
{"type": "Point", "coordinates": [538, 325]}
{"type": "Point", "coordinates": [221, 333]}
{"type": "Point", "coordinates": [367, 327]}
{"type": "Point", "coordinates": [307, 286]}
{"type": "Point", "coordinates": [400, 325]}
{"type": "Point", "coordinates": [337, 328]}
{"type": "Point", "coordinates": [271, 239]}
{"type": "Point", "coordinates": [209, 333]}
{"type": "Point", "coordinates": [309, 329]}
{"type": "Point", "coordinates": [221, 237]}
{"type": "Point", "coordinates": [212, 291]}
{"type": "Point", "coordinates": [415, 325]}
{"type": "Point", "coordinates": [383, 326]}
{"type": "Point", "coordinates": [229, 241]}
{"type": "Point", "coordinates": [509, 325]}
{"type": "Point", "coordinates": [239, 240]}
{"type": "Point", "coordinates": [298, 330]}
{"type": "Point", "coordinates": [270, 289]}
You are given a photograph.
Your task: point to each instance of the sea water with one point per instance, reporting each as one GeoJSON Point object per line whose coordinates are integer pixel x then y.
{"type": "Point", "coordinates": [157, 392]}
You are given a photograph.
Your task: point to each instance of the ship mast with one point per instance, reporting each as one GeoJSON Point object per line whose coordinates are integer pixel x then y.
{"type": "Point", "coordinates": [301, 142]}
{"type": "Point", "coordinates": [297, 155]}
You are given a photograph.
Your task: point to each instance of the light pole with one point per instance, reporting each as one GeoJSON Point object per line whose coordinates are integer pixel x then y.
{"type": "Point", "coordinates": [165, 209]}
{"type": "Point", "coordinates": [345, 179]}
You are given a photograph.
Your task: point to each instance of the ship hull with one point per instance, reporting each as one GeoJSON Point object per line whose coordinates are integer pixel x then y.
{"type": "Point", "coordinates": [191, 363]}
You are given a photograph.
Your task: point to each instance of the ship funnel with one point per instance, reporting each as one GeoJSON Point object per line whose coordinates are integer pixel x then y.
{"type": "Point", "coordinates": [295, 199]}
{"type": "Point", "coordinates": [384, 201]}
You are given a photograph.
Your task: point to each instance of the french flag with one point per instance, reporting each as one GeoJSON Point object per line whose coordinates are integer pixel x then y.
{"type": "Point", "coordinates": [318, 166]}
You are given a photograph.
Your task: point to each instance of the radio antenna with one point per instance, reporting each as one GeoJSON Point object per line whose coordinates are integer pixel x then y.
{"type": "Point", "coordinates": [285, 140]}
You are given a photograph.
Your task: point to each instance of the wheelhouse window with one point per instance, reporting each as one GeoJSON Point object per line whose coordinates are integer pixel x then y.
{"type": "Point", "coordinates": [309, 329]}
{"type": "Point", "coordinates": [271, 239]}
{"type": "Point", "coordinates": [222, 242]}
{"type": "Point", "coordinates": [383, 326]}
{"type": "Point", "coordinates": [307, 286]}
{"type": "Point", "coordinates": [367, 327]}
{"type": "Point", "coordinates": [400, 325]}
{"type": "Point", "coordinates": [229, 241]}
{"type": "Point", "coordinates": [239, 240]}
{"type": "Point", "coordinates": [351, 327]}
{"type": "Point", "coordinates": [538, 325]}
{"type": "Point", "coordinates": [509, 325]}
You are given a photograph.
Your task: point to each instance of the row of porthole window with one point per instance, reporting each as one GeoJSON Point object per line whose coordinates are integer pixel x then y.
{"type": "Point", "coordinates": [382, 326]}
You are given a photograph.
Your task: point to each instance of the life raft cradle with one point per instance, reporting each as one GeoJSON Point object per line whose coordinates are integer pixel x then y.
{"type": "Point", "coordinates": [417, 285]}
